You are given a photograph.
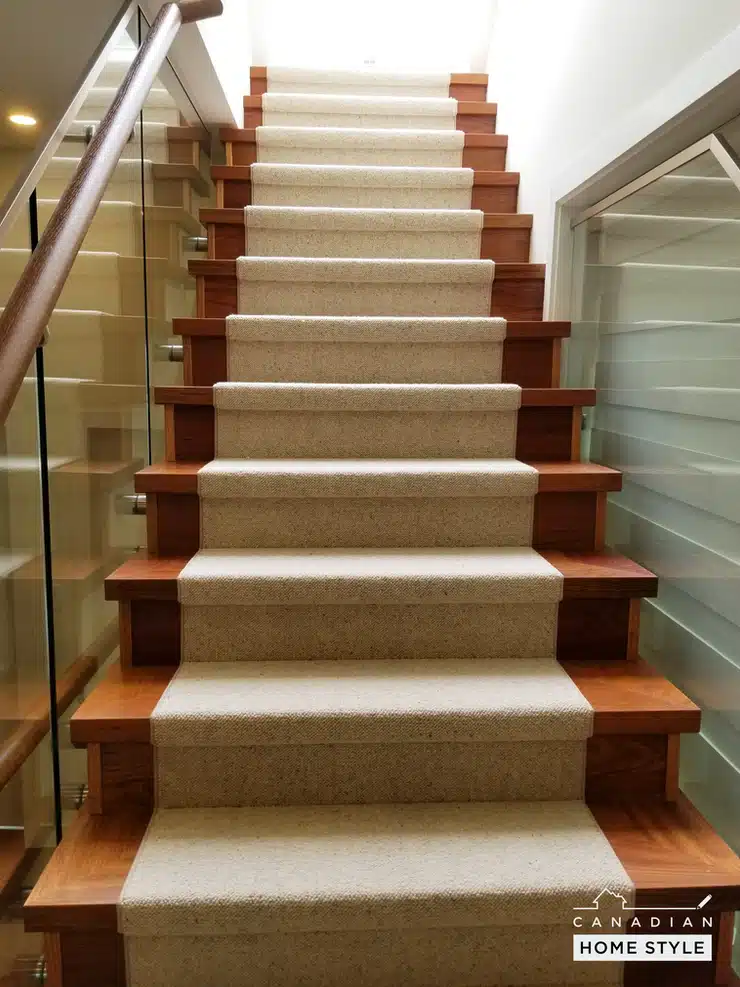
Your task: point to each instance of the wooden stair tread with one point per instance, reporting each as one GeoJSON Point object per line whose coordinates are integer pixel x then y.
{"type": "Point", "coordinates": [226, 268]}
{"type": "Point", "coordinates": [180, 171]}
{"type": "Point", "coordinates": [567, 477]}
{"type": "Point", "coordinates": [491, 220]}
{"type": "Point", "coordinates": [670, 852]}
{"type": "Point", "coordinates": [118, 710]}
{"type": "Point", "coordinates": [599, 574]}
{"type": "Point", "coordinates": [243, 173]}
{"type": "Point", "coordinates": [186, 134]}
{"type": "Point", "coordinates": [631, 697]}
{"type": "Point", "coordinates": [465, 107]}
{"type": "Point", "coordinates": [248, 135]}
{"type": "Point", "coordinates": [514, 330]}
{"type": "Point", "coordinates": [627, 697]}
{"type": "Point", "coordinates": [80, 887]}
{"type": "Point", "coordinates": [588, 575]}
{"type": "Point", "coordinates": [531, 396]}
{"type": "Point", "coordinates": [463, 78]}
{"type": "Point", "coordinates": [103, 473]}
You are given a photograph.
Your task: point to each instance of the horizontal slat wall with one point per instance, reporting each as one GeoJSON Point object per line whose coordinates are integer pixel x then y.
{"type": "Point", "coordinates": [658, 283]}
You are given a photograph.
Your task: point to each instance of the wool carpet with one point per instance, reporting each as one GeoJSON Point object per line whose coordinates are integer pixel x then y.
{"type": "Point", "coordinates": [370, 767]}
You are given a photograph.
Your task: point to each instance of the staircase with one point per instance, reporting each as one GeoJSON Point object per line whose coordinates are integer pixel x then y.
{"type": "Point", "coordinates": [380, 715]}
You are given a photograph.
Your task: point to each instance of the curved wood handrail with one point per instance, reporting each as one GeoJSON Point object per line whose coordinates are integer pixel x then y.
{"type": "Point", "coordinates": [23, 322]}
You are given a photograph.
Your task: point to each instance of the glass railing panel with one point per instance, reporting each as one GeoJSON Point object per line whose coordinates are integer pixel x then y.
{"type": "Point", "coordinates": [178, 187]}
{"type": "Point", "coordinates": [657, 289]}
{"type": "Point", "coordinates": [96, 393]}
{"type": "Point", "coordinates": [27, 805]}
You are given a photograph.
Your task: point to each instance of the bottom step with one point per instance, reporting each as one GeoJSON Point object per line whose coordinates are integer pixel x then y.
{"type": "Point", "coordinates": [378, 895]}
{"type": "Point", "coordinates": [670, 853]}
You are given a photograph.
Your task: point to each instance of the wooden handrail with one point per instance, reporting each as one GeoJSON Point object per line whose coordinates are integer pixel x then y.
{"type": "Point", "coordinates": [34, 721]}
{"type": "Point", "coordinates": [23, 322]}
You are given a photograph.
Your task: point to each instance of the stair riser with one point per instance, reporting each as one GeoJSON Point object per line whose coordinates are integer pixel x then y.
{"type": "Point", "coordinates": [414, 958]}
{"type": "Point", "coordinates": [403, 245]}
{"type": "Point", "coordinates": [155, 150]}
{"type": "Point", "coordinates": [567, 521]}
{"type": "Point", "coordinates": [340, 774]}
{"type": "Point", "coordinates": [102, 356]}
{"type": "Point", "coordinates": [449, 298]}
{"type": "Point", "coordinates": [618, 767]}
{"type": "Point", "coordinates": [90, 958]}
{"type": "Point", "coordinates": [227, 241]}
{"type": "Point", "coordinates": [337, 632]}
{"type": "Point", "coordinates": [372, 523]}
{"type": "Point", "coordinates": [118, 188]}
{"type": "Point", "coordinates": [602, 627]}
{"type": "Point", "coordinates": [99, 283]}
{"type": "Point", "coordinates": [119, 230]}
{"type": "Point", "coordinates": [362, 363]}
{"type": "Point", "coordinates": [234, 193]}
{"type": "Point", "coordinates": [468, 121]}
{"type": "Point", "coordinates": [75, 417]}
{"type": "Point", "coordinates": [160, 145]}
{"type": "Point", "coordinates": [352, 197]}
{"type": "Point", "coordinates": [246, 434]}
{"type": "Point", "coordinates": [527, 362]}
{"type": "Point", "coordinates": [543, 434]}
{"type": "Point", "coordinates": [516, 294]}
{"type": "Point", "coordinates": [474, 155]}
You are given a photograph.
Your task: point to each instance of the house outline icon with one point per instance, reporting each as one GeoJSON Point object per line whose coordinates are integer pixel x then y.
{"type": "Point", "coordinates": [638, 908]}
{"type": "Point", "coordinates": [596, 902]}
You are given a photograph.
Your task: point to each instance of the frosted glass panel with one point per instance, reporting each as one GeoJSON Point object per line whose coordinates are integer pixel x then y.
{"type": "Point", "coordinates": [657, 300]}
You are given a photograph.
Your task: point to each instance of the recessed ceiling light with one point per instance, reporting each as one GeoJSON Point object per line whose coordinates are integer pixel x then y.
{"type": "Point", "coordinates": [22, 120]}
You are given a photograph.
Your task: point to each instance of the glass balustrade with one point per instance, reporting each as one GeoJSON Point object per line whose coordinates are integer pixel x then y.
{"type": "Point", "coordinates": [27, 798]}
{"type": "Point", "coordinates": [657, 331]}
{"type": "Point", "coordinates": [82, 424]}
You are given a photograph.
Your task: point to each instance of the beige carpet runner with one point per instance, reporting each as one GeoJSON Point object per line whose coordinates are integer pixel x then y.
{"type": "Point", "coordinates": [378, 112]}
{"type": "Point", "coordinates": [370, 765]}
{"type": "Point", "coordinates": [360, 146]}
{"type": "Point", "coordinates": [365, 349]}
{"type": "Point", "coordinates": [361, 186]}
{"type": "Point", "coordinates": [322, 231]}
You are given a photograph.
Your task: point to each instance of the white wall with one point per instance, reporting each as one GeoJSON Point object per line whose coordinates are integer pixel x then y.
{"type": "Point", "coordinates": [581, 82]}
{"type": "Point", "coordinates": [228, 41]}
{"type": "Point", "coordinates": [212, 58]}
{"type": "Point", "coordinates": [394, 34]}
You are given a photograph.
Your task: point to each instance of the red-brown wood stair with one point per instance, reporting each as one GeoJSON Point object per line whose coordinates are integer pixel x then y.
{"type": "Point", "coordinates": [671, 853]}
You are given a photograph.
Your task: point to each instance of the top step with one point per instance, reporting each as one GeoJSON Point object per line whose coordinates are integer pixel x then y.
{"type": "Point", "coordinates": [280, 79]}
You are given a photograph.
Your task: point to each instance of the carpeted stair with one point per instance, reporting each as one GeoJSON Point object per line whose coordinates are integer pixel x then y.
{"type": "Point", "coordinates": [361, 186]}
{"type": "Point", "coordinates": [369, 765]}
{"type": "Point", "coordinates": [355, 145]}
{"type": "Point", "coordinates": [365, 349]}
{"type": "Point", "coordinates": [313, 231]}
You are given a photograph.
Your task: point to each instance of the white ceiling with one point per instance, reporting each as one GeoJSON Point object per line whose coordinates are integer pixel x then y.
{"type": "Point", "coordinates": [44, 48]}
